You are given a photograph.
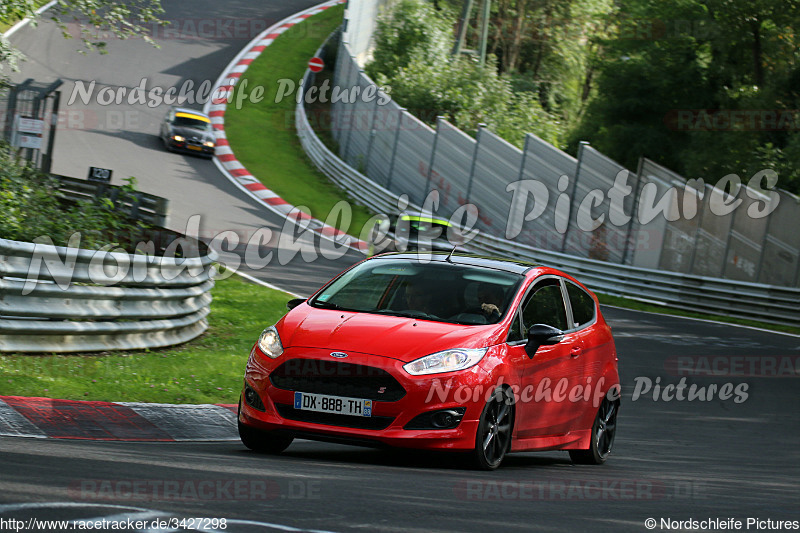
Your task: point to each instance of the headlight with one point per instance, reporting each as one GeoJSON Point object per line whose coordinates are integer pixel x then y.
{"type": "Point", "coordinates": [446, 361]}
{"type": "Point", "coordinates": [209, 144]}
{"type": "Point", "coordinates": [178, 138]}
{"type": "Point", "coordinates": [270, 343]}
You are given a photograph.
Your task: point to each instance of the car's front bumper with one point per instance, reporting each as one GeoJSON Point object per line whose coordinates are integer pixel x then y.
{"type": "Point", "coordinates": [189, 148]}
{"type": "Point", "coordinates": [466, 389]}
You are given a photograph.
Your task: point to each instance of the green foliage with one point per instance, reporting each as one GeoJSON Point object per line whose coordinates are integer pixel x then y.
{"type": "Point", "coordinates": [411, 30]}
{"type": "Point", "coordinates": [412, 56]}
{"type": "Point", "coordinates": [32, 207]}
{"type": "Point", "coordinates": [98, 20]}
{"type": "Point", "coordinates": [690, 56]}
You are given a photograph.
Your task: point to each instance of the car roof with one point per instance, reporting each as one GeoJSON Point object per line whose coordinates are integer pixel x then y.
{"type": "Point", "coordinates": [190, 111]}
{"type": "Point", "coordinates": [513, 266]}
{"type": "Point", "coordinates": [423, 217]}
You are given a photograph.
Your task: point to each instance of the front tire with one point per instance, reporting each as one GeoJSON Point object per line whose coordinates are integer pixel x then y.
{"type": "Point", "coordinates": [604, 431]}
{"type": "Point", "coordinates": [262, 441]}
{"type": "Point", "coordinates": [493, 438]}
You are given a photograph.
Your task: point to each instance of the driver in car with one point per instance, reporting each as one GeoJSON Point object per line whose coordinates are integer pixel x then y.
{"type": "Point", "coordinates": [491, 298]}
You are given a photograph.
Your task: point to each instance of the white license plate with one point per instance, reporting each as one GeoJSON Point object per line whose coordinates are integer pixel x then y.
{"type": "Point", "coordinates": [332, 404]}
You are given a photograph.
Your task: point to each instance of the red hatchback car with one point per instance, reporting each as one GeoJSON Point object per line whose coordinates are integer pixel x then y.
{"type": "Point", "coordinates": [453, 352]}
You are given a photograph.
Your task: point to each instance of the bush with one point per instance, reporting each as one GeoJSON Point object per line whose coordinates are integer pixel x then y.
{"type": "Point", "coordinates": [412, 56]}
{"type": "Point", "coordinates": [32, 206]}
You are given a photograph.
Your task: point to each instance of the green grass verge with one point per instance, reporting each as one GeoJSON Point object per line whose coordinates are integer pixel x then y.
{"type": "Point", "coordinates": [206, 370]}
{"type": "Point", "coordinates": [263, 136]}
{"type": "Point", "coordinates": [627, 303]}
{"type": "Point", "coordinates": [5, 26]}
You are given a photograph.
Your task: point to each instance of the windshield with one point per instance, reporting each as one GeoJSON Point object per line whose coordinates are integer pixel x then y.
{"type": "Point", "coordinates": [188, 121]}
{"type": "Point", "coordinates": [442, 292]}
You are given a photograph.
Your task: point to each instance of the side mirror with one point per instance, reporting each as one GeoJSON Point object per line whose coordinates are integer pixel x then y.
{"type": "Point", "coordinates": [542, 335]}
{"type": "Point", "coordinates": [291, 304]}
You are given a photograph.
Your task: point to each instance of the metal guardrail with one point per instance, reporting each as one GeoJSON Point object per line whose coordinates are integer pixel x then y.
{"type": "Point", "coordinates": [765, 303]}
{"type": "Point", "coordinates": [62, 300]}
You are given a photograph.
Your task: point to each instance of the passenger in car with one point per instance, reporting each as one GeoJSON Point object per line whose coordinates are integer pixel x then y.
{"type": "Point", "coordinates": [420, 297]}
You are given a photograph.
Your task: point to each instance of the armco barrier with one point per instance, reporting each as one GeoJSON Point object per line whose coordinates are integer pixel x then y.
{"type": "Point", "coordinates": [56, 299]}
{"type": "Point", "coordinates": [778, 305]}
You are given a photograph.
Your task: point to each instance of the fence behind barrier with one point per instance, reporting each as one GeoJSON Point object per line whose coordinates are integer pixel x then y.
{"type": "Point", "coordinates": [589, 206]}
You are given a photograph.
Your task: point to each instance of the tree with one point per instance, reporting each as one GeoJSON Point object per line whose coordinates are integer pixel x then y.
{"type": "Point", "coordinates": [123, 20]}
{"type": "Point", "coordinates": [727, 65]}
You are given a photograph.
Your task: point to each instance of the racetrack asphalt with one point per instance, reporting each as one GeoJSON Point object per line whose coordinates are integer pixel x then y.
{"type": "Point", "coordinates": [677, 459]}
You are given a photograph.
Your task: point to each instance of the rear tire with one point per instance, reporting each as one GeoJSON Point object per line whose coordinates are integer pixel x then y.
{"type": "Point", "coordinates": [604, 430]}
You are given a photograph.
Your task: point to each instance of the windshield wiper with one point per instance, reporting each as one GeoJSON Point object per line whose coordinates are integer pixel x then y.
{"type": "Point", "coordinates": [407, 314]}
{"type": "Point", "coordinates": [329, 305]}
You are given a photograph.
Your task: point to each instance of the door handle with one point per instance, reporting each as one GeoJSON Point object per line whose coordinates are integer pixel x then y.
{"type": "Point", "coordinates": [575, 351]}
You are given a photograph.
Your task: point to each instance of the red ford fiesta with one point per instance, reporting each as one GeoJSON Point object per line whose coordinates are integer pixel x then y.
{"type": "Point", "coordinates": [453, 352]}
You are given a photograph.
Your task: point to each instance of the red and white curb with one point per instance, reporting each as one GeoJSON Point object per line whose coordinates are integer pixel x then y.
{"type": "Point", "coordinates": [226, 160]}
{"type": "Point", "coordinates": [115, 421]}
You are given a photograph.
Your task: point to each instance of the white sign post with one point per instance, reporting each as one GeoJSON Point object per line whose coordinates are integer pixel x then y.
{"type": "Point", "coordinates": [28, 133]}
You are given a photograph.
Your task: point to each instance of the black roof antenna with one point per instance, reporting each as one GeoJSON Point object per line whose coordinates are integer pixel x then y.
{"type": "Point", "coordinates": [450, 257]}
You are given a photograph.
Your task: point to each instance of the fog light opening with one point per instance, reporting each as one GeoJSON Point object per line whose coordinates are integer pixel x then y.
{"type": "Point", "coordinates": [252, 399]}
{"type": "Point", "coordinates": [442, 419]}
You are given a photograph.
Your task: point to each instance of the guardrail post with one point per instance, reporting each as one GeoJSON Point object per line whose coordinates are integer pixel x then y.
{"type": "Point", "coordinates": [764, 247]}
{"type": "Point", "coordinates": [699, 228]}
{"type": "Point", "coordinates": [343, 146]}
{"type": "Point", "coordinates": [371, 137]}
{"type": "Point", "coordinates": [400, 113]}
{"type": "Point", "coordinates": [581, 146]}
{"type": "Point", "coordinates": [634, 212]}
{"type": "Point", "coordinates": [47, 160]}
{"type": "Point", "coordinates": [432, 159]}
{"type": "Point", "coordinates": [474, 161]}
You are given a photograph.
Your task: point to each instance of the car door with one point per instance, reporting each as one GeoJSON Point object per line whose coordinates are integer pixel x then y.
{"type": "Point", "coordinates": [548, 378]}
{"type": "Point", "coordinates": [584, 324]}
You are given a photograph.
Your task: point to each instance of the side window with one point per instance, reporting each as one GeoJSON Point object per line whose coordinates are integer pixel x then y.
{"type": "Point", "coordinates": [515, 333]}
{"type": "Point", "coordinates": [545, 305]}
{"type": "Point", "coordinates": [583, 308]}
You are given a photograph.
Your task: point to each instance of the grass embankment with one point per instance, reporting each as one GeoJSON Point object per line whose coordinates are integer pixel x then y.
{"type": "Point", "coordinates": [5, 26]}
{"type": "Point", "coordinates": [263, 135]}
{"type": "Point", "coordinates": [206, 370]}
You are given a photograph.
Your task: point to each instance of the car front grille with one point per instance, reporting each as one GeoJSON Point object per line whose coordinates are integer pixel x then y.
{"type": "Point", "coordinates": [333, 419]}
{"type": "Point", "coordinates": [334, 378]}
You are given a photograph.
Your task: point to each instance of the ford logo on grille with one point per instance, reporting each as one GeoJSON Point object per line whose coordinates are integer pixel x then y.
{"type": "Point", "coordinates": [338, 355]}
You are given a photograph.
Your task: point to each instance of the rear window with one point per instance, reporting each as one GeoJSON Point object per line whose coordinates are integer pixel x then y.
{"type": "Point", "coordinates": [583, 308]}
